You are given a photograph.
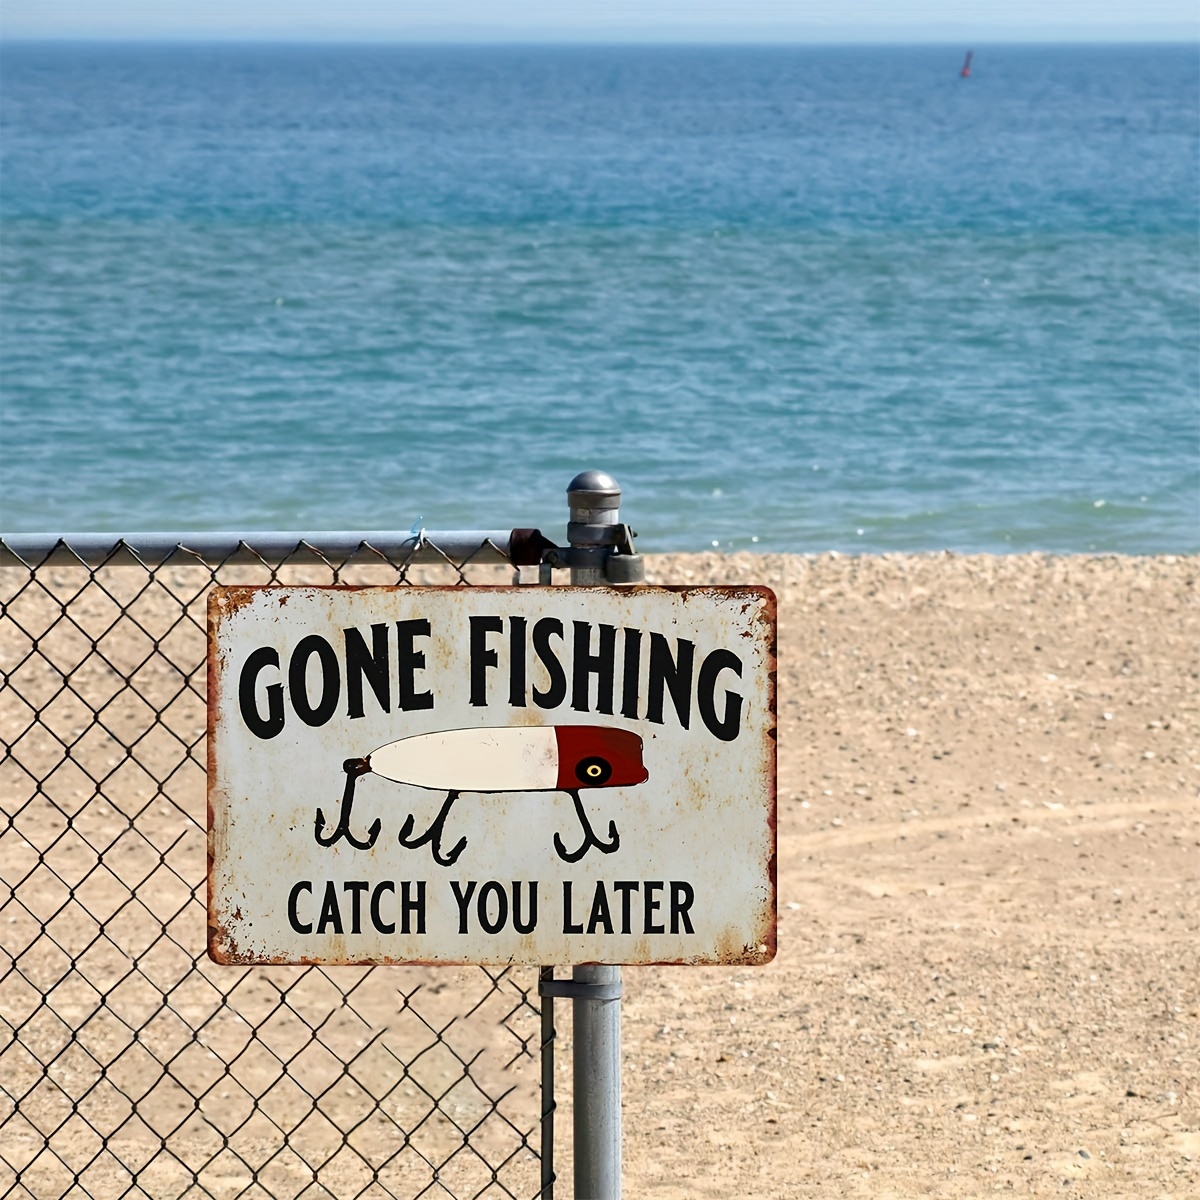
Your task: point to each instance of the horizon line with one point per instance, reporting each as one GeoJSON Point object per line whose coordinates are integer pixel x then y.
{"type": "Point", "coordinates": [390, 40]}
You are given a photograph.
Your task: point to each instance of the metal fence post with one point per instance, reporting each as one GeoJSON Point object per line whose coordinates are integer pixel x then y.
{"type": "Point", "coordinates": [594, 500]}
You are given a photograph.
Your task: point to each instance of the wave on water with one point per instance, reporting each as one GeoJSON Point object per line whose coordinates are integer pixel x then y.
{"type": "Point", "coordinates": [837, 299]}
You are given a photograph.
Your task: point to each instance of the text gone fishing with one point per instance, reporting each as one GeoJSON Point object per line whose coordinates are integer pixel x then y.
{"type": "Point", "coordinates": [594, 667]}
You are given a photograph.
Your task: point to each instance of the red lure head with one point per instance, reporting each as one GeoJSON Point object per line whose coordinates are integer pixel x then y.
{"type": "Point", "coordinates": [598, 756]}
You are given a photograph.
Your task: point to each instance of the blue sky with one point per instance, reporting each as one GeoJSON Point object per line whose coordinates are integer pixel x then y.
{"type": "Point", "coordinates": [956, 21]}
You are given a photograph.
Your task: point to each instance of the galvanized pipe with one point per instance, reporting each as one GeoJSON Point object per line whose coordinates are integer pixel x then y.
{"type": "Point", "coordinates": [549, 1036]}
{"type": "Point", "coordinates": [521, 546]}
{"type": "Point", "coordinates": [594, 500]}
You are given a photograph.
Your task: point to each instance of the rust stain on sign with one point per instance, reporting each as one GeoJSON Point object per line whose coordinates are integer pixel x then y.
{"type": "Point", "coordinates": [492, 775]}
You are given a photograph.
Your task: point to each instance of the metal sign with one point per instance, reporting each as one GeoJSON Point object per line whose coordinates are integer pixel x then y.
{"type": "Point", "coordinates": [491, 775]}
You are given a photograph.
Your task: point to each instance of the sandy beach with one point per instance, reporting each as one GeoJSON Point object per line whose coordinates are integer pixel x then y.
{"type": "Point", "coordinates": [988, 976]}
{"type": "Point", "coordinates": [989, 872]}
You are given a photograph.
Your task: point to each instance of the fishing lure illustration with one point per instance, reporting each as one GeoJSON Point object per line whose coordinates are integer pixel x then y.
{"type": "Point", "coordinates": [557, 758]}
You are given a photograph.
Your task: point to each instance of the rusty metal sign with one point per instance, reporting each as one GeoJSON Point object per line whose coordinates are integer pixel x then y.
{"type": "Point", "coordinates": [491, 775]}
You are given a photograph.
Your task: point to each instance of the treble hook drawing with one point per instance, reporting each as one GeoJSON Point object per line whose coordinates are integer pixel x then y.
{"type": "Point", "coordinates": [433, 835]}
{"type": "Point", "coordinates": [558, 758]}
{"type": "Point", "coordinates": [354, 767]}
{"type": "Point", "coordinates": [589, 834]}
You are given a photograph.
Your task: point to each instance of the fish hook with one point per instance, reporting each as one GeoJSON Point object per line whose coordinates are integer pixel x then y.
{"type": "Point", "coordinates": [589, 834]}
{"type": "Point", "coordinates": [354, 767]}
{"type": "Point", "coordinates": [433, 835]}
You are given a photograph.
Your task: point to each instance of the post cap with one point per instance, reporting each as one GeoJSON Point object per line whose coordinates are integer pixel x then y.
{"type": "Point", "coordinates": [594, 489]}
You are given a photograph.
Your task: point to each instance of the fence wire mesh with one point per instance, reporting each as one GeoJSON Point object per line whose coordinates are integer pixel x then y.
{"type": "Point", "coordinates": [131, 1065]}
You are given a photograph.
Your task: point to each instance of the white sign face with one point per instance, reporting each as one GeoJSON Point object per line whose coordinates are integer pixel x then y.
{"type": "Point", "coordinates": [527, 775]}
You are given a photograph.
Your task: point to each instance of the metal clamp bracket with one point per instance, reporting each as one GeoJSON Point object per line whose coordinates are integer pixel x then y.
{"type": "Point", "coordinates": [619, 536]}
{"type": "Point", "coordinates": [574, 989]}
{"type": "Point", "coordinates": [618, 560]}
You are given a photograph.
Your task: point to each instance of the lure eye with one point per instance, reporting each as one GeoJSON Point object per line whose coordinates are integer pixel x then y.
{"type": "Point", "coordinates": [593, 771]}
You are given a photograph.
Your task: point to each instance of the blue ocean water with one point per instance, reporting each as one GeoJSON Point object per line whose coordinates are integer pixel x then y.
{"type": "Point", "coordinates": [820, 298]}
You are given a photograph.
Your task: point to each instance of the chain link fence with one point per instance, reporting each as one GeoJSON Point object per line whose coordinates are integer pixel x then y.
{"type": "Point", "coordinates": [130, 1065]}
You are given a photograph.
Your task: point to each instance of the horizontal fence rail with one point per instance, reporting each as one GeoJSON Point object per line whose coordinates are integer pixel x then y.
{"type": "Point", "coordinates": [519, 547]}
{"type": "Point", "coordinates": [130, 1065]}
